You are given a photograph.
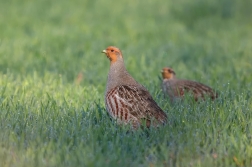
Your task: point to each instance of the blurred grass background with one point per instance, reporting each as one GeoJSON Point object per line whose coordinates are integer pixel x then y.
{"type": "Point", "coordinates": [49, 117]}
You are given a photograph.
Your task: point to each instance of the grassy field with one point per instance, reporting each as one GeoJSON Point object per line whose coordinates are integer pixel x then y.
{"type": "Point", "coordinates": [53, 78]}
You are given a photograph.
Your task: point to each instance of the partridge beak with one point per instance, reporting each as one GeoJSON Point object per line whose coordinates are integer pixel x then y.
{"type": "Point", "coordinates": [161, 71]}
{"type": "Point", "coordinates": [104, 51]}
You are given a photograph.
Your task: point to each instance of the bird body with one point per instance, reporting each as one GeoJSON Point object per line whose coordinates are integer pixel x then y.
{"type": "Point", "coordinates": [126, 100]}
{"type": "Point", "coordinates": [177, 88]}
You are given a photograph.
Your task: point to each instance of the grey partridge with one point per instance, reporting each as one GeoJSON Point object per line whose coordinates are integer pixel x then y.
{"type": "Point", "coordinates": [126, 100]}
{"type": "Point", "coordinates": [176, 88]}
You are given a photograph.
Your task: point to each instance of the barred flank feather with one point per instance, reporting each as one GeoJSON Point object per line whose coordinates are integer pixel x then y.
{"type": "Point", "coordinates": [130, 104]}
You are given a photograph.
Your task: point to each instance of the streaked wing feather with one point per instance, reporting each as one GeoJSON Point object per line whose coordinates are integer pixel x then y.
{"type": "Point", "coordinates": [136, 102]}
{"type": "Point", "coordinates": [199, 90]}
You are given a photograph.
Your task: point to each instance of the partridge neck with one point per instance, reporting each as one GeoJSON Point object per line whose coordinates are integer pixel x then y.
{"type": "Point", "coordinates": [118, 75]}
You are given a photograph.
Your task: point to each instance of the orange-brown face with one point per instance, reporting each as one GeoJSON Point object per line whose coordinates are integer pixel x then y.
{"type": "Point", "coordinates": [113, 53]}
{"type": "Point", "coordinates": [168, 73]}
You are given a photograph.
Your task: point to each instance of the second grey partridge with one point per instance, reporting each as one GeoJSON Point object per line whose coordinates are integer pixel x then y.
{"type": "Point", "coordinates": [176, 88]}
{"type": "Point", "coordinates": [126, 100]}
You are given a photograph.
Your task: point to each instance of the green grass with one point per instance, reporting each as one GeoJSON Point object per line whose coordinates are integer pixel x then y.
{"type": "Point", "coordinates": [47, 118]}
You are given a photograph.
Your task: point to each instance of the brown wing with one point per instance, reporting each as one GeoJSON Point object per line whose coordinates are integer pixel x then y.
{"type": "Point", "coordinates": [134, 104]}
{"type": "Point", "coordinates": [199, 90]}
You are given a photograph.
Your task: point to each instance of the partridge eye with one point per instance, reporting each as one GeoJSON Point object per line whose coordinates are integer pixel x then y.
{"type": "Point", "coordinates": [112, 50]}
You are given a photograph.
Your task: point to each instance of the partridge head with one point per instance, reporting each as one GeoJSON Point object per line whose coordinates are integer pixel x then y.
{"type": "Point", "coordinates": [168, 73]}
{"type": "Point", "coordinates": [127, 101]}
{"type": "Point", "coordinates": [113, 54]}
